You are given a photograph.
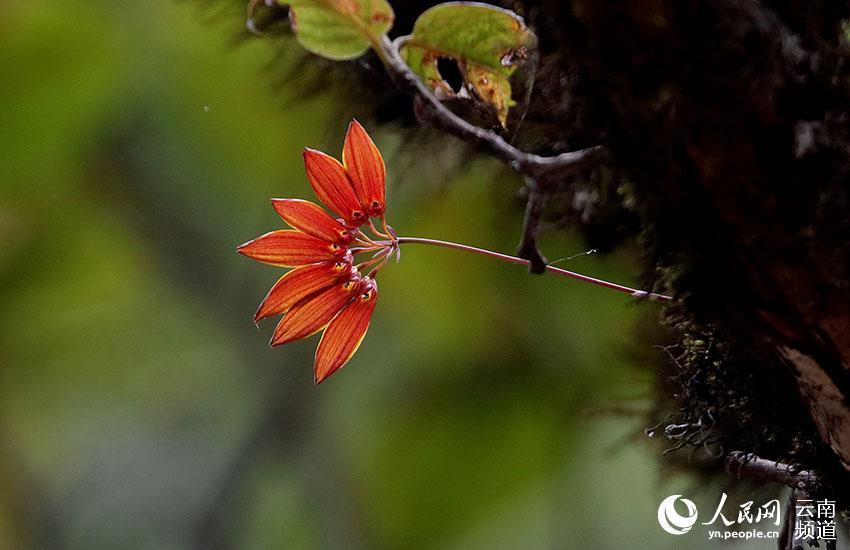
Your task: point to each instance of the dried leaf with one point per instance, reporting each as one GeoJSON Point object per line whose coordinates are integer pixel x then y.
{"type": "Point", "coordinates": [487, 43]}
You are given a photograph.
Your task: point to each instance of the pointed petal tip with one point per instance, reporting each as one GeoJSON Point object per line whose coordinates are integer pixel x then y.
{"type": "Point", "coordinates": [318, 379]}
{"type": "Point", "coordinates": [282, 338]}
{"type": "Point", "coordinates": [308, 154]}
{"type": "Point", "coordinates": [259, 315]}
{"type": "Point", "coordinates": [241, 250]}
{"type": "Point", "coordinates": [277, 339]}
{"type": "Point", "coordinates": [321, 374]}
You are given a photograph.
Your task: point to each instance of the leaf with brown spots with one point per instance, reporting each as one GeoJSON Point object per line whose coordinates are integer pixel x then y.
{"type": "Point", "coordinates": [488, 44]}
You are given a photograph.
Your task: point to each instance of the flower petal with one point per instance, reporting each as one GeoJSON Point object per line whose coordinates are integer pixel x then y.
{"type": "Point", "coordinates": [344, 334]}
{"type": "Point", "coordinates": [331, 184]}
{"type": "Point", "coordinates": [313, 220]}
{"type": "Point", "coordinates": [365, 168]}
{"type": "Point", "coordinates": [300, 283]}
{"type": "Point", "coordinates": [289, 248]}
{"type": "Point", "coordinates": [312, 314]}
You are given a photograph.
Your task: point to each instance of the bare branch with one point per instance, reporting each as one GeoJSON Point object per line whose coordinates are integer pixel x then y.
{"type": "Point", "coordinates": [541, 172]}
{"type": "Point", "coordinates": [528, 243]}
{"type": "Point", "coordinates": [740, 464]}
{"type": "Point", "coordinates": [432, 111]}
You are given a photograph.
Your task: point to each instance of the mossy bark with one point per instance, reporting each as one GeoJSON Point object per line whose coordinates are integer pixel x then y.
{"type": "Point", "coordinates": [729, 128]}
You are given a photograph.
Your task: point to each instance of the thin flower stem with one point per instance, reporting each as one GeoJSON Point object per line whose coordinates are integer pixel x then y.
{"type": "Point", "coordinates": [379, 256]}
{"type": "Point", "coordinates": [513, 259]}
{"type": "Point", "coordinates": [364, 239]}
{"type": "Point", "coordinates": [359, 249]}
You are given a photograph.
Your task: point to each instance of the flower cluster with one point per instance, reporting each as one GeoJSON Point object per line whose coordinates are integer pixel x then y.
{"type": "Point", "coordinates": [327, 290]}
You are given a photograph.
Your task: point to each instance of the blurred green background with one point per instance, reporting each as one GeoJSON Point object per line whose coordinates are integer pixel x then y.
{"type": "Point", "coordinates": [140, 407]}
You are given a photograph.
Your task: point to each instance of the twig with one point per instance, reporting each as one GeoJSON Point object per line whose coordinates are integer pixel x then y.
{"type": "Point", "coordinates": [740, 464]}
{"type": "Point", "coordinates": [801, 482]}
{"type": "Point", "coordinates": [438, 115]}
{"type": "Point", "coordinates": [528, 242]}
{"type": "Point", "coordinates": [543, 172]}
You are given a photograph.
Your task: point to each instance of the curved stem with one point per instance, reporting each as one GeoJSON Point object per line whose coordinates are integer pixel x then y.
{"type": "Point", "coordinates": [438, 115]}
{"type": "Point", "coordinates": [514, 260]}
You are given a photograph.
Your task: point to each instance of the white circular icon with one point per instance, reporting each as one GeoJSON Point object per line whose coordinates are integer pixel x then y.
{"type": "Point", "coordinates": [670, 520]}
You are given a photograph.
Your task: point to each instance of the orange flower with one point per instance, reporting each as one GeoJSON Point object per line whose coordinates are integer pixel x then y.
{"type": "Point", "coordinates": [326, 290]}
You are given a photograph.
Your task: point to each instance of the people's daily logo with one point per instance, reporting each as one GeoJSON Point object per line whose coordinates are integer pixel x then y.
{"type": "Point", "coordinates": [813, 520]}
{"type": "Point", "coordinates": [672, 521]}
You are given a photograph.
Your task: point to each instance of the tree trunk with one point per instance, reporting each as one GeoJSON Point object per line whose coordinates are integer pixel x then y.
{"type": "Point", "coordinates": [728, 122]}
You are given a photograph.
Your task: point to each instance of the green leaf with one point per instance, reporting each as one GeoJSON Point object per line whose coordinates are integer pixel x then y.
{"type": "Point", "coordinates": [487, 43]}
{"type": "Point", "coordinates": [339, 29]}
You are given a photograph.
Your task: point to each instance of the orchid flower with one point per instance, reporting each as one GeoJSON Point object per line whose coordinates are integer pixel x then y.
{"type": "Point", "coordinates": [326, 290]}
